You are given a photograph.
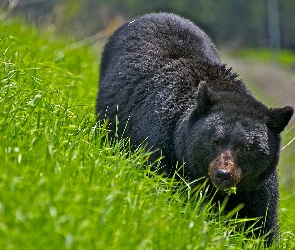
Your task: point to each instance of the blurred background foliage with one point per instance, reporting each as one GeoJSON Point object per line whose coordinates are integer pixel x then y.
{"type": "Point", "coordinates": [231, 24]}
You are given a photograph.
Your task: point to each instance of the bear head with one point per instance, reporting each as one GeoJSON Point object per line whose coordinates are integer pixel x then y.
{"type": "Point", "coordinates": [231, 138]}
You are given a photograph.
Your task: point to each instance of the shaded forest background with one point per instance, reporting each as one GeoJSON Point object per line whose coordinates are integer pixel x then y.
{"type": "Point", "coordinates": [231, 24]}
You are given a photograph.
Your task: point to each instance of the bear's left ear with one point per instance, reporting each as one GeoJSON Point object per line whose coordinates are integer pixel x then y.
{"type": "Point", "coordinates": [278, 118]}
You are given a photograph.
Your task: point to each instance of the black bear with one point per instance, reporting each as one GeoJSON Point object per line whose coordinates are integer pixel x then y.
{"type": "Point", "coordinates": [162, 84]}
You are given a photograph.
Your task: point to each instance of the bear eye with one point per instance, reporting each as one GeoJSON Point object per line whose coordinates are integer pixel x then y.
{"type": "Point", "coordinates": [242, 148]}
{"type": "Point", "coordinates": [215, 143]}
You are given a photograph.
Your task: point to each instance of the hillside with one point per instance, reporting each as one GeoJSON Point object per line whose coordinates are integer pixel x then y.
{"type": "Point", "coordinates": [275, 84]}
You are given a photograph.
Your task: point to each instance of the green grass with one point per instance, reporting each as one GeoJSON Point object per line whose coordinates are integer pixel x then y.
{"type": "Point", "coordinates": [284, 57]}
{"type": "Point", "coordinates": [64, 185]}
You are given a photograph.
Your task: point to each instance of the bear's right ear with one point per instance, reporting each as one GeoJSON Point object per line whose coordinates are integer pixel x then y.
{"type": "Point", "coordinates": [206, 98]}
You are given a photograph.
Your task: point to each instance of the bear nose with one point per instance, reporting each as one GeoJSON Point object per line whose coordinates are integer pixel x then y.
{"type": "Point", "coordinates": [223, 178]}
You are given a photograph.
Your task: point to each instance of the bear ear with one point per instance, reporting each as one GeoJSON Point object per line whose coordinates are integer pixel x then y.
{"type": "Point", "coordinates": [206, 98]}
{"type": "Point", "coordinates": [278, 118]}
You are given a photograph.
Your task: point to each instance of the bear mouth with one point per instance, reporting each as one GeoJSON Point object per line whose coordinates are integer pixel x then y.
{"type": "Point", "coordinates": [225, 187]}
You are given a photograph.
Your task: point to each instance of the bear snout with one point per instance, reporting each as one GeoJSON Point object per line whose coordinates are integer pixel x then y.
{"type": "Point", "coordinates": [224, 172]}
{"type": "Point", "coordinates": [223, 178]}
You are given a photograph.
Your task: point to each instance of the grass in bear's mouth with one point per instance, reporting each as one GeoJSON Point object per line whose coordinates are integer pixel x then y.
{"type": "Point", "coordinates": [232, 190]}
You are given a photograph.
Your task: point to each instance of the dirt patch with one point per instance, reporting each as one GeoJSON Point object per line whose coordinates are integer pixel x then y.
{"type": "Point", "coordinates": [272, 84]}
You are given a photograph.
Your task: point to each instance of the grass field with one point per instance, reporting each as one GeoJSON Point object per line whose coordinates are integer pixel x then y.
{"type": "Point", "coordinates": [285, 58]}
{"type": "Point", "coordinates": [64, 185]}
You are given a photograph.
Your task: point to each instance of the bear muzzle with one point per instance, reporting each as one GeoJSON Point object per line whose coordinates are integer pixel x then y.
{"type": "Point", "coordinates": [224, 172]}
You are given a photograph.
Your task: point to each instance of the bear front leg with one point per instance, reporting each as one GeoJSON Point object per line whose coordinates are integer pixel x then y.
{"type": "Point", "coordinates": [261, 203]}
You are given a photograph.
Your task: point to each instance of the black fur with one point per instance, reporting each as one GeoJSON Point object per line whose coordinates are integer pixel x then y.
{"type": "Point", "coordinates": [163, 77]}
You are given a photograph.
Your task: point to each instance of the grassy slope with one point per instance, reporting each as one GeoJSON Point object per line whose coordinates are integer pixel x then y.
{"type": "Point", "coordinates": [63, 185]}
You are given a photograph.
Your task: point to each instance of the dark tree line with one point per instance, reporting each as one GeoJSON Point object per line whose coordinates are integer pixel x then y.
{"type": "Point", "coordinates": [232, 23]}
